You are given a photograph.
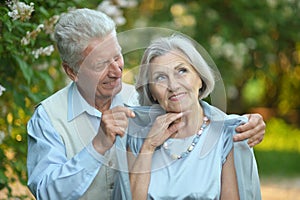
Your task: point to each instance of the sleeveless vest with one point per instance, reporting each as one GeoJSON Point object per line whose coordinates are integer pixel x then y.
{"type": "Point", "coordinates": [79, 132]}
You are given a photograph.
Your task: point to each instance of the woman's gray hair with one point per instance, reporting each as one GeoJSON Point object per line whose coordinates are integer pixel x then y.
{"type": "Point", "coordinates": [74, 31]}
{"type": "Point", "coordinates": [162, 46]}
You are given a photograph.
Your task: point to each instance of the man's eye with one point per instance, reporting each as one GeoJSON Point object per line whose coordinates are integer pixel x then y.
{"type": "Point", "coordinates": [117, 58]}
{"type": "Point", "coordinates": [100, 66]}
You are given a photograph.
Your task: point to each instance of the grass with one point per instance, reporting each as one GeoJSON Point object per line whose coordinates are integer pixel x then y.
{"type": "Point", "coordinates": [279, 153]}
{"type": "Point", "coordinates": [278, 163]}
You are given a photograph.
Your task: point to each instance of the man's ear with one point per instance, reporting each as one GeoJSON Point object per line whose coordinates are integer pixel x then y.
{"type": "Point", "coordinates": [69, 71]}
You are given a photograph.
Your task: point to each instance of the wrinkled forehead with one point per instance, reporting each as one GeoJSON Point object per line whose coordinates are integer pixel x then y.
{"type": "Point", "coordinates": [104, 48]}
{"type": "Point", "coordinates": [170, 58]}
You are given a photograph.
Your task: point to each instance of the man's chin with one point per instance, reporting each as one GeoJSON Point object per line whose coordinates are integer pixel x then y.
{"type": "Point", "coordinates": [107, 92]}
{"type": "Point", "coordinates": [117, 90]}
{"type": "Point", "coordinates": [113, 85]}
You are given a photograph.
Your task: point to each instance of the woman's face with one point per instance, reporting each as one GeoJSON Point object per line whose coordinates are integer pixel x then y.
{"type": "Point", "coordinates": [174, 83]}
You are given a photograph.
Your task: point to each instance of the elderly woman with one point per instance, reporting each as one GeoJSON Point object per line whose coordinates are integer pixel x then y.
{"type": "Point", "coordinates": [185, 150]}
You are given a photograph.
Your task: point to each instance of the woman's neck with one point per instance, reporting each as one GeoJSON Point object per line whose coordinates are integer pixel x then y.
{"type": "Point", "coordinates": [193, 120]}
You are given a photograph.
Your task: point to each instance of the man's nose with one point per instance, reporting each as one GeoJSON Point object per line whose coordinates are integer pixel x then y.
{"type": "Point", "coordinates": [115, 70]}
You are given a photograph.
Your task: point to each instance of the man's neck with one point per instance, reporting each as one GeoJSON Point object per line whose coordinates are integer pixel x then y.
{"type": "Point", "coordinates": [103, 104]}
{"type": "Point", "coordinates": [100, 103]}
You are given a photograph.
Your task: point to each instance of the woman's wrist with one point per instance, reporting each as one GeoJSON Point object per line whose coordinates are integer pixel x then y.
{"type": "Point", "coordinates": [147, 147]}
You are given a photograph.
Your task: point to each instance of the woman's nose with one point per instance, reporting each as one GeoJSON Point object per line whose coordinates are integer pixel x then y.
{"type": "Point", "coordinates": [173, 84]}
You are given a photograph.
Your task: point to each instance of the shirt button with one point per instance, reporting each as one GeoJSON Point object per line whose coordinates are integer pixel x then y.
{"type": "Point", "coordinates": [111, 186]}
{"type": "Point", "coordinates": [110, 164]}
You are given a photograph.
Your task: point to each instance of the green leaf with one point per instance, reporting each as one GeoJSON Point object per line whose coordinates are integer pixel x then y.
{"type": "Point", "coordinates": [44, 11]}
{"type": "Point", "coordinates": [48, 79]}
{"type": "Point", "coordinates": [19, 98]}
{"type": "Point", "coordinates": [26, 70]}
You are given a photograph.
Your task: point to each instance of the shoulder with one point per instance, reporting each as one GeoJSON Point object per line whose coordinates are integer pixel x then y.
{"type": "Point", "coordinates": [129, 94]}
{"type": "Point", "coordinates": [217, 115]}
{"type": "Point", "coordinates": [59, 94]}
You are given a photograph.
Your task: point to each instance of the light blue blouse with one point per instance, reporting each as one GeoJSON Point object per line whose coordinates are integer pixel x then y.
{"type": "Point", "coordinates": [197, 176]}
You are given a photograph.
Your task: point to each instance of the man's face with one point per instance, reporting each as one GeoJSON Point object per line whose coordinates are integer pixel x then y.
{"type": "Point", "coordinates": [99, 76]}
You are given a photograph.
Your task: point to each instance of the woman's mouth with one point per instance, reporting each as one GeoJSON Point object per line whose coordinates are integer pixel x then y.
{"type": "Point", "coordinates": [177, 97]}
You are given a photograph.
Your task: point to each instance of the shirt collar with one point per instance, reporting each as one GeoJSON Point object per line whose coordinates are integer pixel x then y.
{"type": "Point", "coordinates": [78, 105]}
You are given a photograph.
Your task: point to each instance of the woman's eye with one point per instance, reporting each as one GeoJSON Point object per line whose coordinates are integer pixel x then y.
{"type": "Point", "coordinates": [160, 78]}
{"type": "Point", "coordinates": [182, 70]}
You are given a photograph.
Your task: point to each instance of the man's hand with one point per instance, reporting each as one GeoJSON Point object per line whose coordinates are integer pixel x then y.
{"type": "Point", "coordinates": [254, 130]}
{"type": "Point", "coordinates": [113, 122]}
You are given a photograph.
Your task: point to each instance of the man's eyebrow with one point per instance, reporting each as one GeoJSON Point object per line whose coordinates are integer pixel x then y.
{"type": "Point", "coordinates": [102, 61]}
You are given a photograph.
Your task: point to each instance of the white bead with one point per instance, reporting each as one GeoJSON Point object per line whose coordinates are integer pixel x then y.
{"type": "Point", "coordinates": [174, 156]}
{"type": "Point", "coordinates": [165, 145]}
{"type": "Point", "coordinates": [190, 148]}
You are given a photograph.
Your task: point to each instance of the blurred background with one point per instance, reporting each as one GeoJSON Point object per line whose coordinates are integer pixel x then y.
{"type": "Point", "coordinates": [255, 45]}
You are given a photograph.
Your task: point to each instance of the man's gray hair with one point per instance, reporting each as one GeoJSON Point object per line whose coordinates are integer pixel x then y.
{"type": "Point", "coordinates": [74, 31]}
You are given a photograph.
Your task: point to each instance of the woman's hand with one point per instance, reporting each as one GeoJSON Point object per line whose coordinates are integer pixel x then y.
{"type": "Point", "coordinates": [163, 127]}
{"type": "Point", "coordinates": [253, 130]}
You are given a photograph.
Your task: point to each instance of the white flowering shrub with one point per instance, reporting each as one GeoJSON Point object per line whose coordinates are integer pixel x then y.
{"type": "Point", "coordinates": [20, 10]}
{"type": "Point", "coordinates": [2, 89]}
{"type": "Point", "coordinates": [25, 45]}
{"type": "Point", "coordinates": [30, 70]}
{"type": "Point", "coordinates": [114, 9]}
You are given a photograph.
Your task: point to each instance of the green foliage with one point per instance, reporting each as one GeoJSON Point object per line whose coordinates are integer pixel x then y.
{"type": "Point", "coordinates": [278, 163]}
{"type": "Point", "coordinates": [280, 136]}
{"type": "Point", "coordinates": [279, 153]}
{"type": "Point", "coordinates": [254, 90]}
{"type": "Point", "coordinates": [27, 81]}
{"type": "Point", "coordinates": [257, 40]}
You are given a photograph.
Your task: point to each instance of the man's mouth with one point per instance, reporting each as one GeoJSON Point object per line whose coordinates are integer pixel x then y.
{"type": "Point", "coordinates": [112, 84]}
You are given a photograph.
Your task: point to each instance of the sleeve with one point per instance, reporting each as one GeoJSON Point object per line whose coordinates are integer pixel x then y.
{"type": "Point", "coordinates": [230, 124]}
{"type": "Point", "coordinates": [50, 173]}
{"type": "Point", "coordinates": [122, 184]}
{"type": "Point", "coordinates": [135, 144]}
{"type": "Point", "coordinates": [244, 161]}
{"type": "Point", "coordinates": [227, 145]}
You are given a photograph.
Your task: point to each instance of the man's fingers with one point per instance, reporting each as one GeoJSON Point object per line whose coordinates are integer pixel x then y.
{"type": "Point", "coordinates": [255, 122]}
{"type": "Point", "coordinates": [242, 136]}
{"type": "Point", "coordinates": [244, 127]}
{"type": "Point", "coordinates": [122, 109]}
{"type": "Point", "coordinates": [253, 130]}
{"type": "Point", "coordinates": [117, 124]}
{"type": "Point", "coordinates": [256, 139]}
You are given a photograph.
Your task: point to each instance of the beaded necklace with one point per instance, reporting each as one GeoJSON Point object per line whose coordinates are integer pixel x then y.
{"type": "Point", "coordinates": [193, 144]}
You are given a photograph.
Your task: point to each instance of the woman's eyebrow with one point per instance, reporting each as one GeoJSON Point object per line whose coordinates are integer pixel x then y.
{"type": "Point", "coordinates": [179, 65]}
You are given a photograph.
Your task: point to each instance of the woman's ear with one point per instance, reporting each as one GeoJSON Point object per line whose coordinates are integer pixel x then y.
{"type": "Point", "coordinates": [69, 71]}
